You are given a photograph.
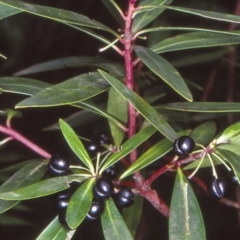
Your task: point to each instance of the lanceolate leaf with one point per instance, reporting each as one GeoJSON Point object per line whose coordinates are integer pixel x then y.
{"type": "Point", "coordinates": [145, 17]}
{"type": "Point", "coordinates": [59, 15]}
{"type": "Point", "coordinates": [55, 231]}
{"type": "Point", "coordinates": [23, 86]}
{"type": "Point", "coordinates": [202, 106]}
{"type": "Point", "coordinates": [70, 91]}
{"type": "Point", "coordinates": [143, 107]}
{"type": "Point", "coordinates": [80, 204]}
{"type": "Point", "coordinates": [154, 153]}
{"type": "Point", "coordinates": [40, 189]}
{"type": "Point", "coordinates": [113, 225]}
{"type": "Point", "coordinates": [129, 145]}
{"type": "Point", "coordinates": [185, 221]}
{"type": "Point", "coordinates": [195, 40]}
{"type": "Point", "coordinates": [76, 144]}
{"type": "Point", "coordinates": [6, 11]}
{"type": "Point", "coordinates": [117, 107]}
{"type": "Point", "coordinates": [26, 175]}
{"type": "Point", "coordinates": [164, 70]}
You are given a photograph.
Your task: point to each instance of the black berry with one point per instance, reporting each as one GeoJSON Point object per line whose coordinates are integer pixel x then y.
{"type": "Point", "coordinates": [103, 189]}
{"type": "Point", "coordinates": [96, 209]}
{"type": "Point", "coordinates": [93, 147]}
{"type": "Point", "coordinates": [110, 172]}
{"type": "Point", "coordinates": [183, 146]}
{"type": "Point", "coordinates": [232, 178]}
{"type": "Point", "coordinates": [58, 166]}
{"type": "Point", "coordinates": [124, 197]}
{"type": "Point", "coordinates": [217, 188]}
{"type": "Point", "coordinates": [62, 200]}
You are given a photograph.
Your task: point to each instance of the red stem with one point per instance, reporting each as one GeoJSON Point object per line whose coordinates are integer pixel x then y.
{"type": "Point", "coordinates": [12, 133]}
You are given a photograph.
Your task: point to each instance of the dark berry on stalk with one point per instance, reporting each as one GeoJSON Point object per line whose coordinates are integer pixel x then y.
{"type": "Point", "coordinates": [183, 146]}
{"type": "Point", "coordinates": [58, 166]}
{"type": "Point", "coordinates": [96, 209]}
{"type": "Point", "coordinates": [217, 188]}
{"type": "Point", "coordinates": [103, 188]}
{"type": "Point", "coordinates": [124, 197]}
{"type": "Point", "coordinates": [110, 172]}
{"type": "Point", "coordinates": [62, 200]}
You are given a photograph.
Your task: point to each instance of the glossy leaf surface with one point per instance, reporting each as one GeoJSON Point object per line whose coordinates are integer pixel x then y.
{"type": "Point", "coordinates": [164, 70]}
{"type": "Point", "coordinates": [70, 91]}
{"type": "Point", "coordinates": [129, 145]}
{"type": "Point", "coordinates": [113, 225]}
{"type": "Point", "coordinates": [40, 189]}
{"type": "Point", "coordinates": [80, 204]}
{"type": "Point", "coordinates": [75, 144]}
{"type": "Point", "coordinates": [185, 221]}
{"type": "Point", "coordinates": [143, 107]}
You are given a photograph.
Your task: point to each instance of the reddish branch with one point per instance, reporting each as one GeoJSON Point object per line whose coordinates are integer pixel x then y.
{"type": "Point", "coordinates": [17, 136]}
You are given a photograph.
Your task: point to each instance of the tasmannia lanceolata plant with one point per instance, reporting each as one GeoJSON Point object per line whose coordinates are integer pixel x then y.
{"type": "Point", "coordinates": [155, 127]}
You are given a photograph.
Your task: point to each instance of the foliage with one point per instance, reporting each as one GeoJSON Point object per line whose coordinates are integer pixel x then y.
{"type": "Point", "coordinates": [158, 83]}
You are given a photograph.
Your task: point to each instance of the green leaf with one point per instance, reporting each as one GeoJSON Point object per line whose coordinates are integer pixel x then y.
{"type": "Point", "coordinates": [233, 159]}
{"type": "Point", "coordinates": [55, 231]}
{"type": "Point", "coordinates": [164, 70]}
{"type": "Point", "coordinates": [229, 133]}
{"type": "Point", "coordinates": [231, 144]}
{"type": "Point", "coordinates": [113, 225]}
{"type": "Point", "coordinates": [77, 61]}
{"type": "Point", "coordinates": [28, 174]}
{"type": "Point", "coordinates": [23, 86]}
{"type": "Point", "coordinates": [80, 204]}
{"type": "Point", "coordinates": [204, 133]}
{"type": "Point", "coordinates": [59, 15]}
{"type": "Point", "coordinates": [184, 206]}
{"type": "Point", "coordinates": [202, 107]}
{"type": "Point", "coordinates": [129, 145]}
{"type": "Point", "coordinates": [6, 11]}
{"type": "Point", "coordinates": [70, 91]}
{"type": "Point", "coordinates": [40, 189]}
{"type": "Point", "coordinates": [152, 154]}
{"type": "Point", "coordinates": [76, 145]}
{"type": "Point", "coordinates": [142, 106]}
{"type": "Point", "coordinates": [118, 108]}
{"type": "Point", "coordinates": [195, 40]}
{"type": "Point", "coordinates": [145, 17]}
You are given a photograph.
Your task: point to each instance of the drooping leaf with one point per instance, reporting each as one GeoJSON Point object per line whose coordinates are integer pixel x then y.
{"type": "Point", "coordinates": [28, 174]}
{"type": "Point", "coordinates": [40, 189]}
{"type": "Point", "coordinates": [164, 70]}
{"type": "Point", "coordinates": [145, 17]}
{"type": "Point", "coordinates": [70, 91]}
{"type": "Point", "coordinates": [202, 107]}
{"type": "Point", "coordinates": [233, 159]}
{"type": "Point", "coordinates": [143, 107]}
{"type": "Point", "coordinates": [117, 107]}
{"type": "Point", "coordinates": [152, 154]}
{"type": "Point", "coordinates": [195, 40]}
{"type": "Point", "coordinates": [80, 204]}
{"type": "Point", "coordinates": [185, 220]}
{"type": "Point", "coordinates": [23, 86]}
{"type": "Point", "coordinates": [129, 145]}
{"type": "Point", "coordinates": [76, 145]}
{"type": "Point", "coordinates": [77, 61]}
{"type": "Point", "coordinates": [204, 133]}
{"type": "Point", "coordinates": [55, 231]}
{"type": "Point", "coordinates": [56, 14]}
{"type": "Point", "coordinates": [112, 223]}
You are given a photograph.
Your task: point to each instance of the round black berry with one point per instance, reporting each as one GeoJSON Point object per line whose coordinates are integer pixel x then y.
{"type": "Point", "coordinates": [124, 197]}
{"type": "Point", "coordinates": [93, 147]}
{"type": "Point", "coordinates": [217, 188]}
{"type": "Point", "coordinates": [183, 146]}
{"type": "Point", "coordinates": [110, 172]}
{"type": "Point", "coordinates": [96, 209]}
{"type": "Point", "coordinates": [62, 200]}
{"type": "Point", "coordinates": [58, 166]}
{"type": "Point", "coordinates": [232, 178]}
{"type": "Point", "coordinates": [103, 189]}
